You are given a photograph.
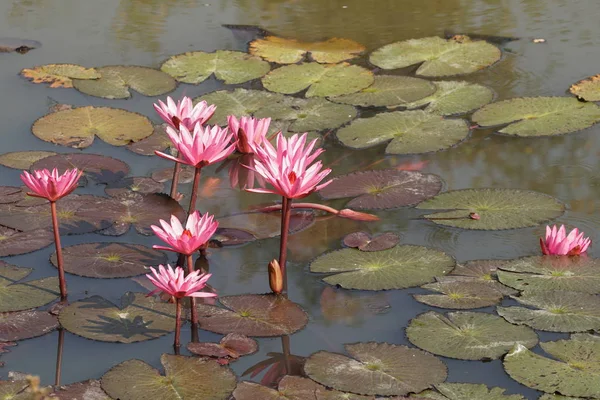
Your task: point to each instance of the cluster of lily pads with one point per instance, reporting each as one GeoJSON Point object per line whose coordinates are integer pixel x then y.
{"type": "Point", "coordinates": [317, 87]}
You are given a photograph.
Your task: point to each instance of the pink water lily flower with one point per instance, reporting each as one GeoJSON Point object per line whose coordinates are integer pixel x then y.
{"type": "Point", "coordinates": [205, 146]}
{"type": "Point", "coordinates": [175, 283]}
{"type": "Point", "coordinates": [559, 243]}
{"type": "Point", "coordinates": [51, 185]}
{"type": "Point", "coordinates": [198, 230]}
{"type": "Point", "coordinates": [184, 113]}
{"type": "Point", "coordinates": [249, 133]}
{"type": "Point", "coordinates": [288, 167]}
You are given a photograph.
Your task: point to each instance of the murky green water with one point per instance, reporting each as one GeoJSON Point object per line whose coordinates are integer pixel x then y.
{"type": "Point", "coordinates": [146, 32]}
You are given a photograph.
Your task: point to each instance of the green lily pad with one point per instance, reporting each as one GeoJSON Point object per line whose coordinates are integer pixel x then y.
{"type": "Point", "coordinates": [23, 159]}
{"type": "Point", "coordinates": [410, 132]}
{"type": "Point", "coordinates": [266, 225]}
{"type": "Point", "coordinates": [15, 296]}
{"type": "Point", "coordinates": [575, 371]}
{"type": "Point", "coordinates": [15, 390]}
{"type": "Point", "coordinates": [555, 311]}
{"type": "Point", "coordinates": [100, 168]}
{"type": "Point", "coordinates": [14, 242]}
{"type": "Point", "coordinates": [479, 271]}
{"type": "Point", "coordinates": [538, 116]}
{"type": "Point", "coordinates": [390, 90]}
{"type": "Point", "coordinates": [454, 97]}
{"type": "Point", "coordinates": [188, 378]}
{"type": "Point", "coordinates": [440, 57]}
{"type": "Point", "coordinates": [139, 318]}
{"type": "Point", "coordinates": [397, 268]}
{"type": "Point", "coordinates": [309, 114]}
{"type": "Point", "coordinates": [365, 242]}
{"type": "Point", "coordinates": [468, 391]}
{"type": "Point", "coordinates": [26, 324]}
{"type": "Point", "coordinates": [136, 184]}
{"type": "Point", "coordinates": [253, 315]}
{"type": "Point", "coordinates": [115, 82]}
{"type": "Point", "coordinates": [376, 369]}
{"type": "Point", "coordinates": [291, 51]}
{"type": "Point", "coordinates": [467, 335]}
{"type": "Point", "coordinates": [460, 295]}
{"type": "Point", "coordinates": [232, 67]}
{"type": "Point", "coordinates": [587, 89]}
{"type": "Point", "coordinates": [322, 80]}
{"type": "Point", "coordinates": [158, 141]}
{"type": "Point", "coordinates": [59, 75]}
{"type": "Point", "coordinates": [497, 208]}
{"type": "Point", "coordinates": [576, 274]}
{"type": "Point", "coordinates": [239, 102]}
{"type": "Point", "coordinates": [383, 189]}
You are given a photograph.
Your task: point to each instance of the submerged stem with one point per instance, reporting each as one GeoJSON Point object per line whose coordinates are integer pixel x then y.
{"type": "Point", "coordinates": [193, 309]}
{"type": "Point", "coordinates": [286, 211]}
{"type": "Point", "coordinates": [59, 256]}
{"type": "Point", "coordinates": [59, 356]}
{"type": "Point", "coordinates": [175, 180]}
{"type": "Point", "coordinates": [176, 344]}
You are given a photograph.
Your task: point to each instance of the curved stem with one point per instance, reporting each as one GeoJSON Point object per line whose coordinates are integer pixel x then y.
{"type": "Point", "coordinates": [175, 180]}
{"type": "Point", "coordinates": [193, 309]}
{"type": "Point", "coordinates": [286, 212]}
{"type": "Point", "coordinates": [176, 344]}
{"type": "Point", "coordinates": [59, 355]}
{"type": "Point", "coordinates": [59, 256]}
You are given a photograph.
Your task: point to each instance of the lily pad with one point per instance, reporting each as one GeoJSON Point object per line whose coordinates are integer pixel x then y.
{"type": "Point", "coordinates": [383, 189]}
{"type": "Point", "coordinates": [14, 242]}
{"type": "Point", "coordinates": [479, 271]}
{"type": "Point", "coordinates": [577, 274]}
{"type": "Point", "coordinates": [321, 80]}
{"type": "Point", "coordinates": [390, 90]}
{"type": "Point", "coordinates": [266, 225]}
{"type": "Point", "coordinates": [16, 296]}
{"type": "Point", "coordinates": [291, 51]}
{"type": "Point", "coordinates": [188, 378]}
{"type": "Point", "coordinates": [87, 390]}
{"type": "Point", "coordinates": [186, 174]}
{"type": "Point", "coordinates": [231, 346]}
{"type": "Point", "coordinates": [109, 260]}
{"type": "Point", "coordinates": [454, 97]}
{"type": "Point", "coordinates": [115, 82]}
{"type": "Point", "coordinates": [538, 116]}
{"type": "Point", "coordinates": [587, 89]}
{"type": "Point", "coordinates": [59, 75]}
{"type": "Point", "coordinates": [136, 184]}
{"type": "Point", "coordinates": [23, 159]}
{"type": "Point", "coordinates": [10, 194]}
{"type": "Point", "coordinates": [497, 208]}
{"type": "Point", "coordinates": [376, 369]}
{"type": "Point", "coordinates": [292, 388]}
{"type": "Point", "coordinates": [460, 295]}
{"type": "Point", "coordinates": [15, 390]}
{"type": "Point", "coordinates": [240, 102]}
{"type": "Point", "coordinates": [158, 141]}
{"type": "Point", "coordinates": [440, 57]}
{"type": "Point", "coordinates": [575, 371]}
{"type": "Point", "coordinates": [22, 46]}
{"type": "Point", "coordinates": [397, 268]}
{"type": "Point", "coordinates": [467, 335]}
{"type": "Point", "coordinates": [364, 242]}
{"type": "Point", "coordinates": [139, 318]}
{"type": "Point", "coordinates": [231, 237]}
{"type": "Point", "coordinates": [410, 132]}
{"type": "Point", "coordinates": [26, 324]}
{"type": "Point", "coordinates": [555, 311]}
{"type": "Point", "coordinates": [101, 169]}
{"type": "Point", "coordinates": [253, 315]}
{"type": "Point", "coordinates": [558, 397]}
{"type": "Point", "coordinates": [232, 67]}
{"type": "Point", "coordinates": [77, 127]}
{"type": "Point", "coordinates": [468, 391]}
{"type": "Point", "coordinates": [309, 114]}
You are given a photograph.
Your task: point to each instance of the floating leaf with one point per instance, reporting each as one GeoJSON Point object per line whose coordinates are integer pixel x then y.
{"type": "Point", "coordinates": [22, 46]}
{"type": "Point", "coordinates": [410, 132]}
{"type": "Point", "coordinates": [321, 80]}
{"type": "Point", "coordinates": [77, 127]}
{"type": "Point", "coordinates": [232, 67]}
{"type": "Point", "coordinates": [338, 305]}
{"type": "Point", "coordinates": [186, 378]}
{"type": "Point", "coordinates": [10, 194]}
{"type": "Point", "coordinates": [460, 295]}
{"type": "Point", "coordinates": [23, 159]}
{"type": "Point", "coordinates": [390, 90]}
{"type": "Point", "coordinates": [115, 82]}
{"type": "Point", "coordinates": [556, 311]}
{"type": "Point", "coordinates": [253, 315]}
{"type": "Point", "coordinates": [497, 208]}
{"type": "Point", "coordinates": [538, 116]}
{"type": "Point", "coordinates": [440, 57]}
{"type": "Point", "coordinates": [587, 89]}
{"type": "Point", "coordinates": [186, 174]}
{"type": "Point", "coordinates": [139, 318]}
{"type": "Point", "coordinates": [231, 346]}
{"type": "Point", "coordinates": [376, 369]}
{"type": "Point", "coordinates": [137, 184]}
{"type": "Point", "coordinates": [468, 391]}
{"type": "Point", "coordinates": [59, 75]}
{"type": "Point", "coordinates": [109, 260]}
{"type": "Point", "coordinates": [266, 225]}
{"type": "Point", "coordinates": [309, 114]}
{"type": "Point", "coordinates": [10, 390]}
{"type": "Point", "coordinates": [467, 335]}
{"type": "Point", "coordinates": [231, 237]}
{"type": "Point", "coordinates": [454, 97]}
{"type": "Point", "coordinates": [100, 168]}
{"type": "Point", "coordinates": [16, 296]}
{"type": "Point", "coordinates": [383, 189]}
{"type": "Point", "coordinates": [397, 268]}
{"type": "Point", "coordinates": [158, 141]}
{"type": "Point", "coordinates": [13, 242]}
{"type": "Point", "coordinates": [479, 271]}
{"type": "Point", "coordinates": [26, 324]}
{"type": "Point", "coordinates": [363, 241]}
{"type": "Point", "coordinates": [291, 51]}
{"type": "Point", "coordinates": [87, 390]}
{"type": "Point", "coordinates": [575, 372]}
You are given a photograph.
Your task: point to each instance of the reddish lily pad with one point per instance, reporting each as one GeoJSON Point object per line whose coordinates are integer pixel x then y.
{"type": "Point", "coordinates": [383, 189]}
{"type": "Point", "coordinates": [137, 184]}
{"type": "Point", "coordinates": [158, 141]}
{"type": "Point", "coordinates": [231, 346]}
{"type": "Point", "coordinates": [101, 169]}
{"type": "Point", "coordinates": [23, 159]}
{"type": "Point", "coordinates": [26, 324]}
{"type": "Point", "coordinates": [14, 242]}
{"type": "Point", "coordinates": [266, 225]}
{"type": "Point", "coordinates": [16, 296]}
{"type": "Point", "coordinates": [363, 241]}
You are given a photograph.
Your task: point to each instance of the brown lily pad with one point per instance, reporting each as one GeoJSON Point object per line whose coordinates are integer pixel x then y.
{"type": "Point", "coordinates": [363, 241]}
{"type": "Point", "coordinates": [26, 324]}
{"type": "Point", "coordinates": [158, 141]}
{"type": "Point", "coordinates": [59, 75]}
{"type": "Point", "coordinates": [99, 168]}
{"type": "Point", "coordinates": [231, 346]}
{"type": "Point", "coordinates": [14, 242]}
{"type": "Point", "coordinates": [137, 184]}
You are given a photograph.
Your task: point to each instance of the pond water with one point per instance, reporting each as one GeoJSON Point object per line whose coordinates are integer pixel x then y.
{"type": "Point", "coordinates": [147, 32]}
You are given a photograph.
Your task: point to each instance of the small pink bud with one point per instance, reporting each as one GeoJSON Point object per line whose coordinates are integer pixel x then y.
{"type": "Point", "coordinates": [474, 216]}
{"type": "Point", "coordinates": [357, 216]}
{"type": "Point", "coordinates": [275, 277]}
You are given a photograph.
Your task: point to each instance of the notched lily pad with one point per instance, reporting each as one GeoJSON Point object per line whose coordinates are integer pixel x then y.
{"type": "Point", "coordinates": [253, 315]}
{"type": "Point", "coordinates": [454, 97]}
{"type": "Point", "coordinates": [363, 241]}
{"type": "Point", "coordinates": [26, 324]}
{"type": "Point", "coordinates": [23, 159]}
{"type": "Point", "coordinates": [158, 141]}
{"type": "Point", "coordinates": [14, 242]}
{"type": "Point", "coordinates": [266, 225]}
{"type": "Point", "coordinates": [479, 271]}
{"type": "Point", "coordinates": [497, 208]}
{"type": "Point", "coordinates": [410, 132]}
{"type": "Point", "coordinates": [136, 184]}
{"type": "Point", "coordinates": [397, 268]}
{"type": "Point", "coordinates": [291, 51]}
{"type": "Point", "coordinates": [59, 75]}
{"type": "Point", "coordinates": [232, 67]}
{"type": "Point", "coordinates": [15, 296]}
{"type": "Point", "coordinates": [231, 346]}
{"type": "Point", "coordinates": [101, 169]}
{"type": "Point", "coordinates": [587, 89]}
{"type": "Point", "coordinates": [376, 369]}
{"type": "Point", "coordinates": [460, 295]}
{"type": "Point", "coordinates": [383, 189]}
{"type": "Point", "coordinates": [467, 391]}
{"type": "Point", "coordinates": [467, 335]}
{"type": "Point", "coordinates": [139, 318]}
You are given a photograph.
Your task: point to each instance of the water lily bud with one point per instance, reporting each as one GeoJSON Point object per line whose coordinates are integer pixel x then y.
{"type": "Point", "coordinates": [275, 277]}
